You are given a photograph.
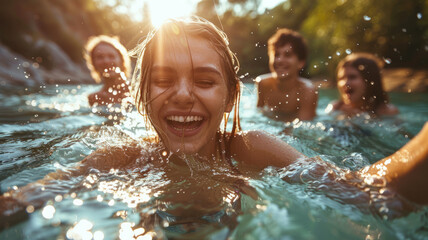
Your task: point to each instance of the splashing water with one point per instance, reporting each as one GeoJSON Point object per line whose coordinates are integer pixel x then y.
{"type": "Point", "coordinates": [149, 202]}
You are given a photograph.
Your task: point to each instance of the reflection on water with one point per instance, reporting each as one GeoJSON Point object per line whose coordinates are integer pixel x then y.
{"type": "Point", "coordinates": [50, 128]}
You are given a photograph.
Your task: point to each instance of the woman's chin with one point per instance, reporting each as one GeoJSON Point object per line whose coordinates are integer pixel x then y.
{"type": "Point", "coordinates": [180, 148]}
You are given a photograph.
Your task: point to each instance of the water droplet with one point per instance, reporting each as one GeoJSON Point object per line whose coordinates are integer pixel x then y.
{"type": "Point", "coordinates": [48, 211]}
{"type": "Point", "coordinates": [338, 53]}
{"type": "Point", "coordinates": [78, 202]}
{"type": "Point", "coordinates": [348, 51]}
{"type": "Point", "coordinates": [419, 15]}
{"type": "Point", "coordinates": [29, 209]}
{"type": "Point", "coordinates": [367, 18]}
{"type": "Point", "coordinates": [58, 198]}
{"type": "Point", "coordinates": [387, 60]}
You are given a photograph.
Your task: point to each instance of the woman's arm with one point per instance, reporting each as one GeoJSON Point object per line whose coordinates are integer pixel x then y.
{"type": "Point", "coordinates": [406, 171]}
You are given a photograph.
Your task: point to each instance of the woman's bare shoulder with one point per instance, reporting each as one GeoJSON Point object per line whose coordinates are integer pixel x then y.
{"type": "Point", "coordinates": [387, 110]}
{"type": "Point", "coordinates": [116, 157]}
{"type": "Point", "coordinates": [262, 149]}
{"type": "Point", "coordinates": [333, 106]}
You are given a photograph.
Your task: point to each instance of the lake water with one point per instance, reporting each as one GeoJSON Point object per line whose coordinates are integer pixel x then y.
{"type": "Point", "coordinates": [49, 128]}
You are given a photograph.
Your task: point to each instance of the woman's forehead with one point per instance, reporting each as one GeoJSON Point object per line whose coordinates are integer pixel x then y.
{"type": "Point", "coordinates": [186, 51]}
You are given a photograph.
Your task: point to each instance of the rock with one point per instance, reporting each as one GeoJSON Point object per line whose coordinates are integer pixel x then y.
{"type": "Point", "coordinates": [17, 70]}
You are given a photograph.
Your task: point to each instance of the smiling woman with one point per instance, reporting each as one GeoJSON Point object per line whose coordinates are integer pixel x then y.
{"type": "Point", "coordinates": [191, 179]}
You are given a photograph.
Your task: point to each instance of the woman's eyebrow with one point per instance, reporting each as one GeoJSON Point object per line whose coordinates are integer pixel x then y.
{"type": "Point", "coordinates": [163, 69]}
{"type": "Point", "coordinates": [207, 70]}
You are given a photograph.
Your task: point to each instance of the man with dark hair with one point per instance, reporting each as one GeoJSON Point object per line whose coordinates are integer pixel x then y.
{"type": "Point", "coordinates": [283, 94]}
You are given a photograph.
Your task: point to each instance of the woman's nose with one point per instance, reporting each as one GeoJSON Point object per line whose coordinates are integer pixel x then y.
{"type": "Point", "coordinates": [183, 93]}
{"type": "Point", "coordinates": [347, 83]}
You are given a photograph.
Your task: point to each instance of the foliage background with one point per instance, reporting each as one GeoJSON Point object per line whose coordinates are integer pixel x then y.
{"type": "Point", "coordinates": [396, 32]}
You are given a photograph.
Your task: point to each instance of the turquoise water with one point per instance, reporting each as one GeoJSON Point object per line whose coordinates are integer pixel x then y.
{"type": "Point", "coordinates": [49, 128]}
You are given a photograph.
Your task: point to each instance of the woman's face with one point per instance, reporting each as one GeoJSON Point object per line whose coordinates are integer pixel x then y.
{"type": "Point", "coordinates": [351, 86]}
{"type": "Point", "coordinates": [105, 59]}
{"type": "Point", "coordinates": [188, 95]}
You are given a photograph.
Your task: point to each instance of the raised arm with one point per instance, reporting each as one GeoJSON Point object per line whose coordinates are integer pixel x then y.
{"type": "Point", "coordinates": [406, 171]}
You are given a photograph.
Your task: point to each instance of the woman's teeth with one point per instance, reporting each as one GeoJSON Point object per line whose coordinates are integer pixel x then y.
{"type": "Point", "coordinates": [184, 119]}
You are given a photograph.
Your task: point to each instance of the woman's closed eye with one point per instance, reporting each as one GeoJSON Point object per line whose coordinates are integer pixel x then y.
{"type": "Point", "coordinates": [162, 81]}
{"type": "Point", "coordinates": [204, 83]}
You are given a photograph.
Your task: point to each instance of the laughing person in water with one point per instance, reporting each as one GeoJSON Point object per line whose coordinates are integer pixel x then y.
{"type": "Point", "coordinates": [283, 94]}
{"type": "Point", "coordinates": [109, 64]}
{"type": "Point", "coordinates": [359, 82]}
{"type": "Point", "coordinates": [187, 85]}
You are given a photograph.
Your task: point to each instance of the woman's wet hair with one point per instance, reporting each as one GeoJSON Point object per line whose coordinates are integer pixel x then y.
{"type": "Point", "coordinates": [93, 42]}
{"type": "Point", "coordinates": [369, 66]}
{"type": "Point", "coordinates": [171, 32]}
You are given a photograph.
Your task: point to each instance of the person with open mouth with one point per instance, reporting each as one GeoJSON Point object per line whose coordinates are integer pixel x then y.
{"type": "Point", "coordinates": [187, 87]}
{"type": "Point", "coordinates": [359, 82]}
{"type": "Point", "coordinates": [109, 63]}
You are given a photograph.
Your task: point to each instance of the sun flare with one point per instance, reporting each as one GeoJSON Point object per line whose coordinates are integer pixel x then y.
{"type": "Point", "coordinates": [160, 10]}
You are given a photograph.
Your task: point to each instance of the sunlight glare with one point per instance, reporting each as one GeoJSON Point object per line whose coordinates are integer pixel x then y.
{"type": "Point", "coordinates": [161, 10]}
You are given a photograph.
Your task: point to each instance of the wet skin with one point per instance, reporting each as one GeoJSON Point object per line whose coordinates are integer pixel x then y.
{"type": "Point", "coordinates": [188, 96]}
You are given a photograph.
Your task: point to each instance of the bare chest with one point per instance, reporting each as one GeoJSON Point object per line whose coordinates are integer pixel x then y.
{"type": "Point", "coordinates": [284, 102]}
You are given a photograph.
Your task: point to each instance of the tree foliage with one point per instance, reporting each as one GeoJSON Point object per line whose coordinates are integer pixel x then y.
{"type": "Point", "coordinates": [396, 32]}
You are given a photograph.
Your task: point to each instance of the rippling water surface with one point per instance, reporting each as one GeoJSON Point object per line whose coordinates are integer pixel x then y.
{"type": "Point", "coordinates": [52, 128]}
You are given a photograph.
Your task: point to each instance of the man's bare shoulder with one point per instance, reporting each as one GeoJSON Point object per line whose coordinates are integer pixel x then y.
{"type": "Point", "coordinates": [306, 84]}
{"type": "Point", "coordinates": [264, 77]}
{"type": "Point", "coordinates": [265, 81]}
{"type": "Point", "coordinates": [308, 89]}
